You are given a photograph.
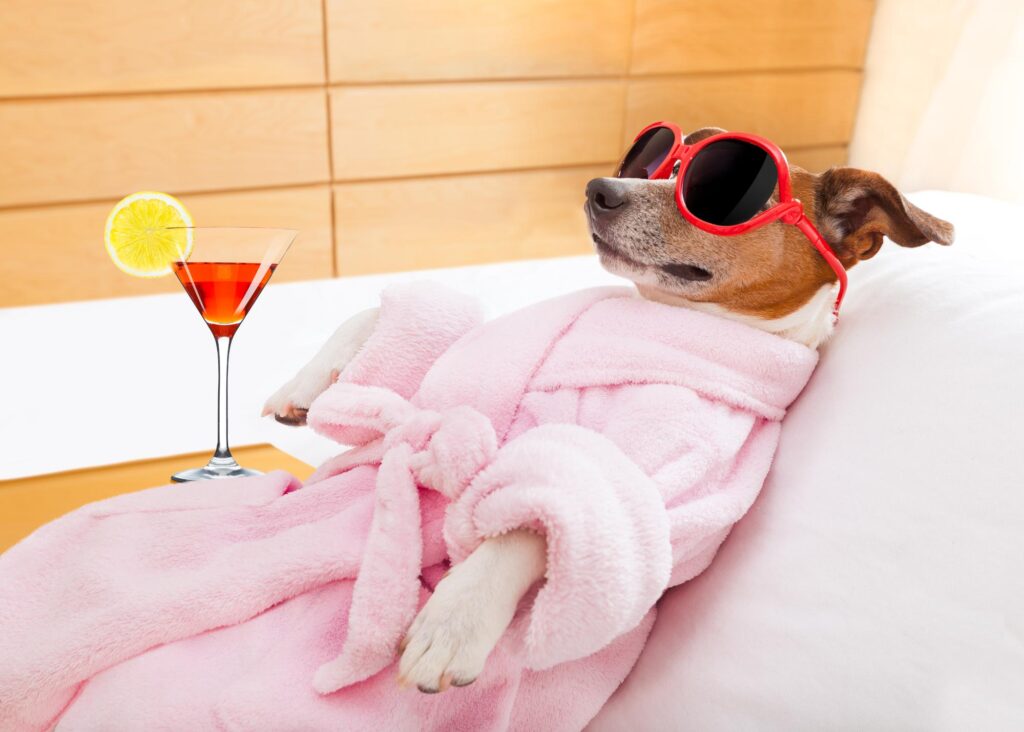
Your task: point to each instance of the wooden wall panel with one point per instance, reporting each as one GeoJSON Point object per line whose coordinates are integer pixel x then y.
{"type": "Point", "coordinates": [807, 108]}
{"type": "Point", "coordinates": [74, 47]}
{"type": "Point", "coordinates": [426, 129]}
{"type": "Point", "coordinates": [437, 222]}
{"type": "Point", "coordinates": [677, 36]}
{"type": "Point", "coordinates": [444, 132]}
{"type": "Point", "coordinates": [403, 40]}
{"type": "Point", "coordinates": [59, 249]}
{"type": "Point", "coordinates": [105, 148]}
{"type": "Point", "coordinates": [817, 159]}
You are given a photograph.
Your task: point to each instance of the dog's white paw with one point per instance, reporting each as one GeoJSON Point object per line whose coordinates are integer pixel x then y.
{"type": "Point", "coordinates": [290, 403]}
{"type": "Point", "coordinates": [454, 633]}
{"type": "Point", "coordinates": [449, 641]}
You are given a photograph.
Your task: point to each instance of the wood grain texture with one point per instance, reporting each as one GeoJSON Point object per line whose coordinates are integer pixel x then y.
{"type": "Point", "coordinates": [406, 40]}
{"type": "Point", "coordinates": [401, 131]}
{"type": "Point", "coordinates": [57, 252]}
{"type": "Point", "coordinates": [72, 150]}
{"type": "Point", "coordinates": [73, 47]}
{"type": "Point", "coordinates": [817, 159]}
{"type": "Point", "coordinates": [28, 503]}
{"type": "Point", "coordinates": [457, 220]}
{"type": "Point", "coordinates": [807, 108]}
{"type": "Point", "coordinates": [686, 36]}
{"type": "Point", "coordinates": [460, 132]}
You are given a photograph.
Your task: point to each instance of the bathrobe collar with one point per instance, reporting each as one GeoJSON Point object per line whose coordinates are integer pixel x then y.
{"type": "Point", "coordinates": [609, 336]}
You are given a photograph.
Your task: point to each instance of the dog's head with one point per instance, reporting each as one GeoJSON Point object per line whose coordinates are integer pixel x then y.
{"type": "Point", "coordinates": [769, 275]}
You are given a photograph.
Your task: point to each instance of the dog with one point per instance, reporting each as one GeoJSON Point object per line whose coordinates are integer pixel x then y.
{"type": "Point", "coordinates": [770, 278]}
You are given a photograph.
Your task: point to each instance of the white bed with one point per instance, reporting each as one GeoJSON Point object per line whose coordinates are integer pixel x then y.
{"type": "Point", "coordinates": [877, 584]}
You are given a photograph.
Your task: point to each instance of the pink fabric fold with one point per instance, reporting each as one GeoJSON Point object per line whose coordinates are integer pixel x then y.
{"type": "Point", "coordinates": [605, 526]}
{"type": "Point", "coordinates": [417, 323]}
{"type": "Point", "coordinates": [117, 577]}
{"type": "Point", "coordinates": [632, 435]}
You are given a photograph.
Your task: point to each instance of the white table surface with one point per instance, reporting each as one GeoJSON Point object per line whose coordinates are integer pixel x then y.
{"type": "Point", "coordinates": [105, 381]}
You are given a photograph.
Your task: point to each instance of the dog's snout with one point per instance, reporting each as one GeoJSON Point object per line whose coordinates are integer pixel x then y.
{"type": "Point", "coordinates": [605, 195]}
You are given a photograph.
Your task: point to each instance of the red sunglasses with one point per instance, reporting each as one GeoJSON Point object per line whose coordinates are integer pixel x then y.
{"type": "Point", "coordinates": [723, 183]}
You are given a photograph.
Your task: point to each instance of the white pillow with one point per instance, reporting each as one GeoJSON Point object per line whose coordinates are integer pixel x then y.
{"type": "Point", "coordinates": [878, 583]}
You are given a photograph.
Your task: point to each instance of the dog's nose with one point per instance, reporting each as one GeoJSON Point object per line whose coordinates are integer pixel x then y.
{"type": "Point", "coordinates": [605, 195]}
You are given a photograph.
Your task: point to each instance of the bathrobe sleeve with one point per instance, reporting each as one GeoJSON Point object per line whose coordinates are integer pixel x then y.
{"type": "Point", "coordinates": [634, 488]}
{"type": "Point", "coordinates": [417, 323]}
{"type": "Point", "coordinates": [608, 549]}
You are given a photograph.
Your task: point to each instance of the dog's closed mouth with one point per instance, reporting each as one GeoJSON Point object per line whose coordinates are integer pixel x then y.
{"type": "Point", "coordinates": [688, 272]}
{"type": "Point", "coordinates": [605, 248]}
{"type": "Point", "coordinates": [608, 249]}
{"type": "Point", "coordinates": [602, 245]}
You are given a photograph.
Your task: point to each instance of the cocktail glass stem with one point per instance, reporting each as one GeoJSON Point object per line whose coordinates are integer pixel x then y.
{"type": "Point", "coordinates": [222, 464]}
{"type": "Point", "coordinates": [222, 455]}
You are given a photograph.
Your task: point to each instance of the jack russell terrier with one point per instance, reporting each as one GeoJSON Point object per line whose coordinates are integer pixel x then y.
{"type": "Point", "coordinates": [657, 225]}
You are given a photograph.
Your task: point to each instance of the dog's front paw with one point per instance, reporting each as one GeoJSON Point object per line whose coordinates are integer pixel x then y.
{"type": "Point", "coordinates": [449, 641]}
{"type": "Point", "coordinates": [290, 403]}
{"type": "Point", "coordinates": [454, 633]}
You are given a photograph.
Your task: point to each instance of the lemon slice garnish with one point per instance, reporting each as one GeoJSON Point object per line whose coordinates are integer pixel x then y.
{"type": "Point", "coordinates": [140, 234]}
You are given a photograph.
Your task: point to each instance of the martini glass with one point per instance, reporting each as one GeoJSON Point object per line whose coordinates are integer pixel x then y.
{"type": "Point", "coordinates": [223, 275]}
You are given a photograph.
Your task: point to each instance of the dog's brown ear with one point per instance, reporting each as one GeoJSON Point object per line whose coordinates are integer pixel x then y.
{"type": "Point", "coordinates": [855, 209]}
{"type": "Point", "coordinates": [697, 135]}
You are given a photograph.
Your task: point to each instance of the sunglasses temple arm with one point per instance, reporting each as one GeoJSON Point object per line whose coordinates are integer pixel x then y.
{"type": "Point", "coordinates": [815, 237]}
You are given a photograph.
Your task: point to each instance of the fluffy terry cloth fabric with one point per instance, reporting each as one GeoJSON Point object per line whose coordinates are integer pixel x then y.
{"type": "Point", "coordinates": [632, 434]}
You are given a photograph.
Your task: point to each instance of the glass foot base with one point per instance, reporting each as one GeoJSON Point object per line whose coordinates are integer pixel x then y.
{"type": "Point", "coordinates": [215, 469]}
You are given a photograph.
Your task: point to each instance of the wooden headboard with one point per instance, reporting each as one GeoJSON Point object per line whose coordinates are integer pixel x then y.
{"type": "Point", "coordinates": [395, 134]}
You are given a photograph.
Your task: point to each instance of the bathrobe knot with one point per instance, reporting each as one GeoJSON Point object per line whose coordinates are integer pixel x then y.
{"type": "Point", "coordinates": [439, 450]}
{"type": "Point", "coordinates": [451, 447]}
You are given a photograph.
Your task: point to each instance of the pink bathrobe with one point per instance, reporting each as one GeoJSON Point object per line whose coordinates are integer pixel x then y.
{"type": "Point", "coordinates": [632, 434]}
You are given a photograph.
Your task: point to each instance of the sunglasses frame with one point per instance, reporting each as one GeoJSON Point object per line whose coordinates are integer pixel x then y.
{"type": "Point", "coordinates": [788, 210]}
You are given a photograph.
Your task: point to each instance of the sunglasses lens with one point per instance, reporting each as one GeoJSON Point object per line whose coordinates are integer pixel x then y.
{"type": "Point", "coordinates": [647, 153]}
{"type": "Point", "coordinates": [729, 182]}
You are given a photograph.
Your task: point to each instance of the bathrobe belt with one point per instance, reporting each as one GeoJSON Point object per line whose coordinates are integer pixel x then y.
{"type": "Point", "coordinates": [441, 451]}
